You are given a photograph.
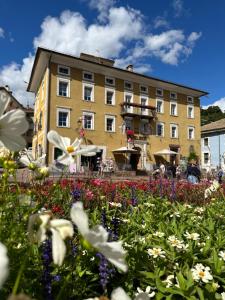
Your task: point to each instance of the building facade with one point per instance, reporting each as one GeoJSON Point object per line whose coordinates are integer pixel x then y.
{"type": "Point", "coordinates": [15, 104]}
{"type": "Point", "coordinates": [213, 145]}
{"type": "Point", "coordinates": [112, 108]}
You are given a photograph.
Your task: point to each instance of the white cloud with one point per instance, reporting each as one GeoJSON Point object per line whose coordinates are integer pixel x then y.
{"type": "Point", "coordinates": [220, 103]}
{"type": "Point", "coordinates": [178, 7]}
{"type": "Point", "coordinates": [161, 22]}
{"type": "Point", "coordinates": [2, 32]}
{"type": "Point", "coordinates": [123, 36]}
{"type": "Point", "coordinates": [103, 7]}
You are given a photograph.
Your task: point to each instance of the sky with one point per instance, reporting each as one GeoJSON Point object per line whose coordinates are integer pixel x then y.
{"type": "Point", "coordinates": [177, 40]}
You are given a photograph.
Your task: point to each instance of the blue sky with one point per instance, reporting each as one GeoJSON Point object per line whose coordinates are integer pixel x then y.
{"type": "Point", "coordinates": [181, 41]}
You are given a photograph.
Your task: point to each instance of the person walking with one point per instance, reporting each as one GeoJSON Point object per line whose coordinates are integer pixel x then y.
{"type": "Point", "coordinates": [193, 173]}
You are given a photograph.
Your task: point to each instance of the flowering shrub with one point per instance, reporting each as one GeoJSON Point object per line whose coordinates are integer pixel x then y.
{"type": "Point", "coordinates": [171, 236]}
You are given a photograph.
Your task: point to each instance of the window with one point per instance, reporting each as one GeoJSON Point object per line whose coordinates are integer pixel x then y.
{"type": "Point", "coordinates": [159, 106]}
{"type": "Point", "coordinates": [63, 117]}
{"type": "Point", "coordinates": [190, 111]}
{"type": "Point", "coordinates": [128, 98]}
{"type": "Point", "coordinates": [159, 92]}
{"type": "Point", "coordinates": [88, 76]}
{"type": "Point", "coordinates": [88, 121]}
{"type": "Point", "coordinates": [190, 99]}
{"type": "Point", "coordinates": [40, 122]}
{"type": "Point", "coordinates": [173, 109]}
{"type": "Point", "coordinates": [160, 129]}
{"type": "Point", "coordinates": [191, 133]}
{"type": "Point", "coordinates": [145, 127]}
{"type": "Point", "coordinates": [128, 123]}
{"type": "Point", "coordinates": [110, 123]}
{"type": "Point", "coordinates": [173, 131]}
{"type": "Point", "coordinates": [63, 87]}
{"type": "Point", "coordinates": [144, 89]}
{"type": "Point", "coordinates": [57, 152]}
{"type": "Point", "coordinates": [206, 142]}
{"type": "Point", "coordinates": [206, 158]}
{"type": "Point", "coordinates": [144, 102]}
{"type": "Point", "coordinates": [128, 85]}
{"type": "Point", "coordinates": [173, 95]}
{"type": "Point", "coordinates": [88, 92]}
{"type": "Point", "coordinates": [109, 97]}
{"type": "Point", "coordinates": [109, 80]}
{"type": "Point", "coordinates": [62, 70]}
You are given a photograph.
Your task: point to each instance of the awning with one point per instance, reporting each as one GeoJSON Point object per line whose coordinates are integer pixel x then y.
{"type": "Point", "coordinates": [124, 150]}
{"type": "Point", "coordinates": [166, 152]}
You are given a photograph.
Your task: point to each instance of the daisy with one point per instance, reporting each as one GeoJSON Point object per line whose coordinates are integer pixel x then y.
{"type": "Point", "coordinates": [174, 242]}
{"type": "Point", "coordinates": [60, 229]}
{"type": "Point", "coordinates": [192, 236]}
{"type": "Point", "coordinates": [159, 234]}
{"type": "Point", "coordinates": [169, 280]}
{"type": "Point", "coordinates": [222, 255]}
{"type": "Point", "coordinates": [223, 295]}
{"type": "Point", "coordinates": [156, 252]}
{"type": "Point", "coordinates": [4, 262]}
{"type": "Point", "coordinates": [201, 273]}
{"type": "Point", "coordinates": [146, 293]}
{"type": "Point", "coordinates": [28, 160]}
{"type": "Point", "coordinates": [69, 150]}
{"type": "Point", "coordinates": [98, 237]}
{"type": "Point", "coordinates": [12, 125]}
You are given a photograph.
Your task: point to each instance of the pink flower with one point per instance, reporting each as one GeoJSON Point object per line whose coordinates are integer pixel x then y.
{"type": "Point", "coordinates": [89, 195]}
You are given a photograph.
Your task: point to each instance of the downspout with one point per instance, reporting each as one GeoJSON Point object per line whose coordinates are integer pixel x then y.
{"type": "Point", "coordinates": [47, 104]}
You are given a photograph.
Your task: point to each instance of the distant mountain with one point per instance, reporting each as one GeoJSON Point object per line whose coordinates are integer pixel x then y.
{"type": "Point", "coordinates": [211, 114]}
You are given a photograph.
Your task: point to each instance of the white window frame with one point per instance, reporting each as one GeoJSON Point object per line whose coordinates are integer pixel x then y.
{"type": "Point", "coordinates": [191, 127]}
{"type": "Point", "coordinates": [193, 112]}
{"type": "Point", "coordinates": [176, 110]}
{"type": "Point", "coordinates": [162, 106]}
{"type": "Point", "coordinates": [156, 92]}
{"type": "Point", "coordinates": [114, 123]}
{"type": "Point", "coordinates": [64, 67]}
{"type": "Point", "coordinates": [86, 113]}
{"type": "Point", "coordinates": [59, 79]}
{"type": "Point", "coordinates": [89, 73]}
{"type": "Point", "coordinates": [190, 99]}
{"type": "Point", "coordinates": [130, 109]}
{"type": "Point", "coordinates": [111, 78]}
{"type": "Point", "coordinates": [128, 82]}
{"type": "Point", "coordinates": [207, 142]}
{"type": "Point", "coordinates": [163, 129]}
{"type": "Point", "coordinates": [58, 110]}
{"type": "Point", "coordinates": [146, 87]}
{"type": "Point", "coordinates": [92, 94]}
{"type": "Point", "coordinates": [144, 111]}
{"type": "Point", "coordinates": [173, 98]}
{"type": "Point", "coordinates": [113, 98]}
{"type": "Point", "coordinates": [177, 134]}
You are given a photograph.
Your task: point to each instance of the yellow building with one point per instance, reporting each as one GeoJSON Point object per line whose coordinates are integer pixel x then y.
{"type": "Point", "coordinates": [89, 94]}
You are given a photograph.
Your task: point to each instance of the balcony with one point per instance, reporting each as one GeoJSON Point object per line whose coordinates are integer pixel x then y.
{"type": "Point", "coordinates": [138, 110]}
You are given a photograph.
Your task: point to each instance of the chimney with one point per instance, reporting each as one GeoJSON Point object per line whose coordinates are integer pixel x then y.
{"type": "Point", "coordinates": [130, 68]}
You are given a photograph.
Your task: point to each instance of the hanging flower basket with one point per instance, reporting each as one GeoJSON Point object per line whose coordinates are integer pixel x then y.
{"type": "Point", "coordinates": [130, 133]}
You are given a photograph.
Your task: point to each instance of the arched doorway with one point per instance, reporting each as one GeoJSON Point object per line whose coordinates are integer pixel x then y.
{"type": "Point", "coordinates": [134, 158]}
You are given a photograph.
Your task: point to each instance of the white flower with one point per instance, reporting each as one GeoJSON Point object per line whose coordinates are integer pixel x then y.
{"type": "Point", "coordinates": [12, 125]}
{"type": "Point", "coordinates": [60, 228]}
{"type": "Point", "coordinates": [28, 160]}
{"type": "Point", "coordinates": [156, 252]}
{"type": "Point", "coordinates": [159, 234]}
{"type": "Point", "coordinates": [199, 210]}
{"type": "Point", "coordinates": [201, 273]}
{"type": "Point", "coordinates": [213, 188]}
{"type": "Point", "coordinates": [115, 204]}
{"type": "Point", "coordinates": [192, 236]}
{"type": "Point", "coordinates": [146, 293]}
{"type": "Point", "coordinates": [222, 255]}
{"type": "Point", "coordinates": [175, 214]}
{"type": "Point", "coordinates": [142, 239]}
{"type": "Point", "coordinates": [4, 153]}
{"type": "Point", "coordinates": [169, 280]}
{"type": "Point", "coordinates": [44, 171]}
{"type": "Point", "coordinates": [215, 285]}
{"type": "Point", "coordinates": [98, 237]}
{"type": "Point", "coordinates": [223, 295]}
{"type": "Point", "coordinates": [174, 242]}
{"type": "Point", "coordinates": [69, 150]}
{"type": "Point", "coordinates": [187, 205]}
{"type": "Point", "coordinates": [4, 262]}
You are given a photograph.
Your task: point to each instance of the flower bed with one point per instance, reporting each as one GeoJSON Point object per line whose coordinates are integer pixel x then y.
{"type": "Point", "coordinates": [174, 240]}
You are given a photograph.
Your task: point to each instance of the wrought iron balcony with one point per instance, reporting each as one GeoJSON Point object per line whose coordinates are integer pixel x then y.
{"type": "Point", "coordinates": [138, 110]}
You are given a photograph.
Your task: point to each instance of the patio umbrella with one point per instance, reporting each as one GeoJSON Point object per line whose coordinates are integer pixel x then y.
{"type": "Point", "coordinates": [165, 152]}
{"type": "Point", "coordinates": [124, 150]}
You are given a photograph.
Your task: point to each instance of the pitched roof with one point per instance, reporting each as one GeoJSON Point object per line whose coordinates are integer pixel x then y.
{"type": "Point", "coordinates": [214, 126]}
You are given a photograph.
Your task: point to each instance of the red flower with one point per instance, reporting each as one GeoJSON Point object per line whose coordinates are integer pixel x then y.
{"type": "Point", "coordinates": [130, 132]}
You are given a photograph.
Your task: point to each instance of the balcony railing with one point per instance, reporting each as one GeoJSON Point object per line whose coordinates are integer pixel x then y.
{"type": "Point", "coordinates": [134, 109]}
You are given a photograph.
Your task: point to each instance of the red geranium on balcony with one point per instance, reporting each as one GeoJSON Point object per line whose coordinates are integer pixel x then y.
{"type": "Point", "coordinates": [130, 132]}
